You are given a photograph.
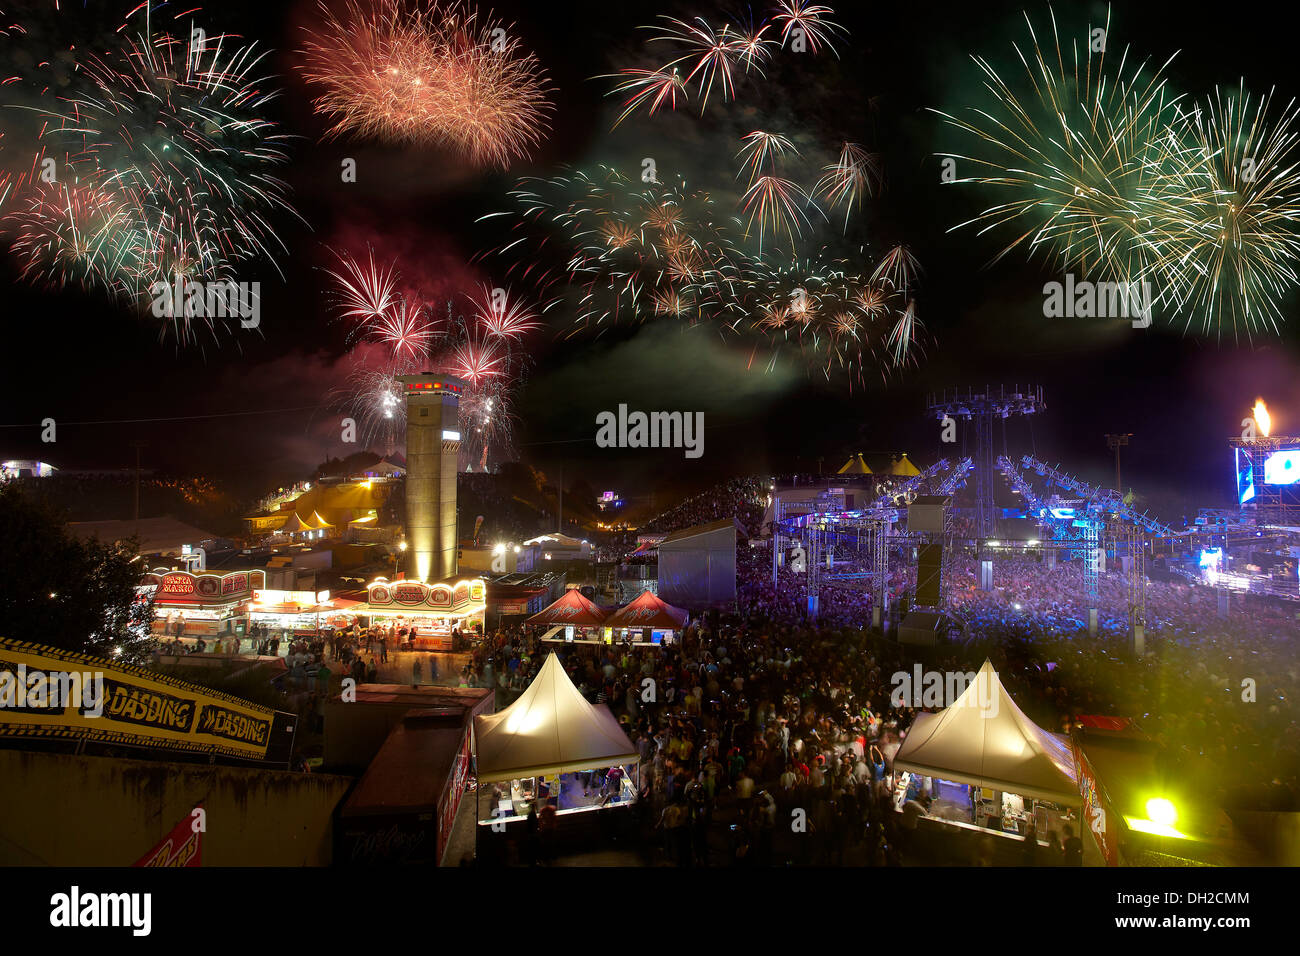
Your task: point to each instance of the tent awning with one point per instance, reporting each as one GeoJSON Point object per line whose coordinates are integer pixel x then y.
{"type": "Point", "coordinates": [648, 610]}
{"type": "Point", "coordinates": [572, 608]}
{"type": "Point", "coordinates": [984, 739]}
{"type": "Point", "coordinates": [549, 729]}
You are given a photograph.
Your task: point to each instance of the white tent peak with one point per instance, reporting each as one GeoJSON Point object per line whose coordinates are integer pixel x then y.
{"type": "Point", "coordinates": [549, 729]}
{"type": "Point", "coordinates": [986, 740]}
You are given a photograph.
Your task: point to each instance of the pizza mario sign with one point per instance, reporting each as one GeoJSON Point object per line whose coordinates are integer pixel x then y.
{"type": "Point", "coordinates": [181, 585]}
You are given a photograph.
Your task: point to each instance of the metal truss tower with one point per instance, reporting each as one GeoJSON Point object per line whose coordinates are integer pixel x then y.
{"type": "Point", "coordinates": [983, 407]}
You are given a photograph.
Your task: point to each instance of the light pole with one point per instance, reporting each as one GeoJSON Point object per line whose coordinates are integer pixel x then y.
{"type": "Point", "coordinates": [1115, 443]}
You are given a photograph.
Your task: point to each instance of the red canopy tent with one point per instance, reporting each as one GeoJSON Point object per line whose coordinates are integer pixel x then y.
{"type": "Point", "coordinates": [571, 608]}
{"type": "Point", "coordinates": [648, 611]}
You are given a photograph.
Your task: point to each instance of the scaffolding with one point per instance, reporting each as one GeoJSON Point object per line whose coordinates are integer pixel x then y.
{"type": "Point", "coordinates": [982, 408]}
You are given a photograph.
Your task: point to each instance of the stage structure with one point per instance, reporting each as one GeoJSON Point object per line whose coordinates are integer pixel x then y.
{"type": "Point", "coordinates": [1268, 480]}
{"type": "Point", "coordinates": [850, 549]}
{"type": "Point", "coordinates": [982, 408]}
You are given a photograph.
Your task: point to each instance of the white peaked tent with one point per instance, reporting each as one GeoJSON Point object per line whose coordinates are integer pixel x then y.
{"type": "Point", "coordinates": [550, 729]}
{"type": "Point", "coordinates": [984, 739]}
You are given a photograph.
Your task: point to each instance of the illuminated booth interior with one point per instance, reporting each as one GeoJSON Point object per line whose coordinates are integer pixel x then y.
{"type": "Point", "coordinates": [986, 765]}
{"type": "Point", "coordinates": [646, 620]}
{"type": "Point", "coordinates": [432, 612]}
{"type": "Point", "coordinates": [572, 619]}
{"type": "Point", "coordinates": [551, 748]}
{"type": "Point", "coordinates": [201, 605]}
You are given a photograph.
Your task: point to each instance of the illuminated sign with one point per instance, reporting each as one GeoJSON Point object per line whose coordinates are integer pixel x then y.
{"type": "Point", "coordinates": [301, 598]}
{"type": "Point", "coordinates": [463, 595]}
{"type": "Point", "coordinates": [184, 587]}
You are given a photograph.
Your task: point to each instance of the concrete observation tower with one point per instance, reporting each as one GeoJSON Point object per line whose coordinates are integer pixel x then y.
{"type": "Point", "coordinates": [432, 449]}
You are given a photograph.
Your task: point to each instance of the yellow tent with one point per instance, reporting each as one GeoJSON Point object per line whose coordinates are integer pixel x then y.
{"type": "Point", "coordinates": [903, 468]}
{"type": "Point", "coordinates": [855, 466]}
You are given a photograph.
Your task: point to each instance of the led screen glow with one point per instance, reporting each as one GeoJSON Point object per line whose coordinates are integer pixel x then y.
{"type": "Point", "coordinates": [1245, 478]}
{"type": "Point", "coordinates": [1282, 468]}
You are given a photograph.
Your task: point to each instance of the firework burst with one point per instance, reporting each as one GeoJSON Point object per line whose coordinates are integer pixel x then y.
{"type": "Point", "coordinates": [1108, 172]}
{"type": "Point", "coordinates": [1232, 261]}
{"type": "Point", "coordinates": [807, 22]}
{"type": "Point", "coordinates": [502, 315]}
{"type": "Point", "coordinates": [777, 205]}
{"type": "Point", "coordinates": [176, 132]}
{"type": "Point", "coordinates": [166, 165]}
{"type": "Point", "coordinates": [853, 177]}
{"type": "Point", "coordinates": [363, 290]}
{"type": "Point", "coordinates": [398, 335]}
{"type": "Point", "coordinates": [429, 75]}
{"type": "Point", "coordinates": [1082, 160]}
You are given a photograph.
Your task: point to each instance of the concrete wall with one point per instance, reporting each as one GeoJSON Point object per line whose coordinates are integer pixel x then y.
{"type": "Point", "coordinates": [64, 810]}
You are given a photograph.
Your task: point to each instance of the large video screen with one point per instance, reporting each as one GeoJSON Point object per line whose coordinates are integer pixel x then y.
{"type": "Point", "coordinates": [1245, 477]}
{"type": "Point", "coordinates": [1282, 467]}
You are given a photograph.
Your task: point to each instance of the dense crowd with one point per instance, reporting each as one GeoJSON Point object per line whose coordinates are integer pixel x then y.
{"type": "Point", "coordinates": [767, 710]}
{"type": "Point", "coordinates": [741, 498]}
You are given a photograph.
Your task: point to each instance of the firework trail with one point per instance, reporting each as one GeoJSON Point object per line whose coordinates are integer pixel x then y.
{"type": "Point", "coordinates": [166, 166]}
{"type": "Point", "coordinates": [1106, 171]}
{"type": "Point", "coordinates": [634, 251]}
{"type": "Point", "coordinates": [1232, 261]}
{"type": "Point", "coordinates": [398, 335]}
{"type": "Point", "coordinates": [855, 176]}
{"type": "Point", "coordinates": [712, 57]}
{"type": "Point", "coordinates": [432, 74]}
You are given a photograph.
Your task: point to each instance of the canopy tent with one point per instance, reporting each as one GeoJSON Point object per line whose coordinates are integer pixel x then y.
{"type": "Point", "coordinates": [855, 466]}
{"type": "Point", "coordinates": [571, 608]}
{"type": "Point", "coordinates": [550, 729]}
{"type": "Point", "coordinates": [295, 524]}
{"type": "Point", "coordinates": [647, 610]}
{"type": "Point", "coordinates": [903, 467]}
{"type": "Point", "coordinates": [985, 740]}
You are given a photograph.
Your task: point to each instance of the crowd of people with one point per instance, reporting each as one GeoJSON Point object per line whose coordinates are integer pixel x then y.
{"type": "Point", "coordinates": [768, 709]}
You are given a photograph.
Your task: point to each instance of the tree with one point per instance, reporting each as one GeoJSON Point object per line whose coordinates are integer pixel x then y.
{"type": "Point", "coordinates": [67, 593]}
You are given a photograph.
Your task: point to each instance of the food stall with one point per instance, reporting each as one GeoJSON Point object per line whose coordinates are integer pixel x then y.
{"type": "Point", "coordinates": [432, 614]}
{"type": "Point", "coordinates": [646, 620]}
{"type": "Point", "coordinates": [200, 606]}
{"type": "Point", "coordinates": [981, 762]}
{"type": "Point", "coordinates": [300, 613]}
{"type": "Point", "coordinates": [572, 619]}
{"type": "Point", "coordinates": [551, 748]}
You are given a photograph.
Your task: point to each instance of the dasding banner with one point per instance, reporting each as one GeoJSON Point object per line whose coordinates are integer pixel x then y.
{"type": "Point", "coordinates": [50, 693]}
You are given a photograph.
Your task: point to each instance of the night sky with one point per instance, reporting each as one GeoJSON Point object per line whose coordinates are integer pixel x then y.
{"type": "Point", "coordinates": [70, 356]}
